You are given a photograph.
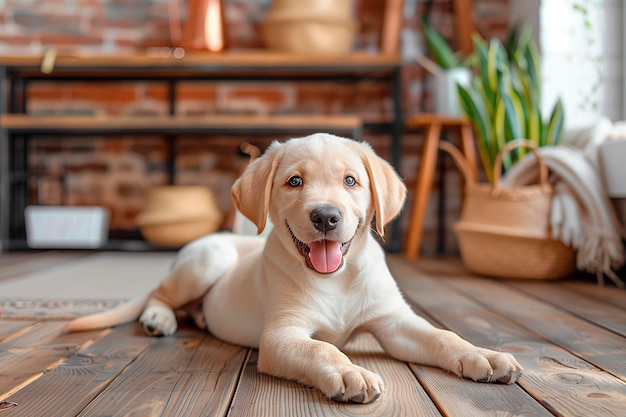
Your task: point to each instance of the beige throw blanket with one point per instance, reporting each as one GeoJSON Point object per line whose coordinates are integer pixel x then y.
{"type": "Point", "coordinates": [581, 213]}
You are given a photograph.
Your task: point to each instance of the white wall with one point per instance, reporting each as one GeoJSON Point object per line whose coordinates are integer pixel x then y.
{"type": "Point", "coordinates": [623, 26]}
{"type": "Point", "coordinates": [612, 28]}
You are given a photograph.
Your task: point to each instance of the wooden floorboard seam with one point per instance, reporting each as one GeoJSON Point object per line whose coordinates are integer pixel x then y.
{"type": "Point", "coordinates": [239, 378]}
{"type": "Point", "coordinates": [576, 306]}
{"type": "Point", "coordinates": [604, 294]}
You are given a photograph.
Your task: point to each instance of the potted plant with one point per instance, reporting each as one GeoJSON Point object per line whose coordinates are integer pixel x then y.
{"type": "Point", "coordinates": [449, 69]}
{"type": "Point", "coordinates": [503, 99]}
{"type": "Point", "coordinates": [510, 226]}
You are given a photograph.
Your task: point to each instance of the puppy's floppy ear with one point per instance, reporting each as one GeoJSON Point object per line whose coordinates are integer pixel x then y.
{"type": "Point", "coordinates": [387, 188]}
{"type": "Point", "coordinates": [251, 192]}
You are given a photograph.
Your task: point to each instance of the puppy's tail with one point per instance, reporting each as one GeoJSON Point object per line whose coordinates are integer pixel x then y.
{"type": "Point", "coordinates": [122, 314]}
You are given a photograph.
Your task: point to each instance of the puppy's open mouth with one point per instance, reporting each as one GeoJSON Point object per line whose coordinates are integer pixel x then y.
{"type": "Point", "coordinates": [324, 256]}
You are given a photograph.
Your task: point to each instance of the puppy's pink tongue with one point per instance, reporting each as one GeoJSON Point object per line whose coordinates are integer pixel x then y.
{"type": "Point", "coordinates": [325, 256]}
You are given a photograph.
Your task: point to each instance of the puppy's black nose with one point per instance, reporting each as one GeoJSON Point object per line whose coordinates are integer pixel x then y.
{"type": "Point", "coordinates": [325, 218]}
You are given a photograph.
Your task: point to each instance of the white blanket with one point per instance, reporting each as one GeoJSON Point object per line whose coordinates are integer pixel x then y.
{"type": "Point", "coordinates": [581, 213]}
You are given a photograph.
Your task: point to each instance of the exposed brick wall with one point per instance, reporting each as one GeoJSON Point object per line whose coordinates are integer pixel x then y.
{"type": "Point", "coordinates": [115, 173]}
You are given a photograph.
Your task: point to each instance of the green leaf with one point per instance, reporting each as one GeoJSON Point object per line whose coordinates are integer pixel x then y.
{"type": "Point", "coordinates": [521, 111]}
{"type": "Point", "coordinates": [514, 114]}
{"type": "Point", "coordinates": [499, 130]}
{"type": "Point", "coordinates": [543, 131]}
{"type": "Point", "coordinates": [525, 39]}
{"type": "Point", "coordinates": [483, 68]}
{"type": "Point", "coordinates": [513, 124]}
{"type": "Point", "coordinates": [519, 79]}
{"type": "Point", "coordinates": [492, 65]}
{"type": "Point", "coordinates": [533, 60]}
{"type": "Point", "coordinates": [510, 43]}
{"type": "Point", "coordinates": [534, 123]}
{"type": "Point", "coordinates": [556, 123]}
{"type": "Point", "coordinates": [474, 109]}
{"type": "Point", "coordinates": [439, 48]}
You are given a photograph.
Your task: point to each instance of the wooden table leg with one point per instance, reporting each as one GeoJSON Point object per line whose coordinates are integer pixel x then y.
{"type": "Point", "coordinates": [423, 185]}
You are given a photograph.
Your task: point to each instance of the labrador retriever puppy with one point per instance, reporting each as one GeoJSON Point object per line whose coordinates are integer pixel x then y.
{"type": "Point", "coordinates": [319, 278]}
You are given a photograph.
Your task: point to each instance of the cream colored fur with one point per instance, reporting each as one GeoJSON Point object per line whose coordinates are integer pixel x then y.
{"type": "Point", "coordinates": [261, 293]}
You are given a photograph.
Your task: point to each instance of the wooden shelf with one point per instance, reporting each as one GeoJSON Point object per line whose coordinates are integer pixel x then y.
{"type": "Point", "coordinates": [19, 71]}
{"type": "Point", "coordinates": [86, 124]}
{"type": "Point", "coordinates": [230, 57]}
{"type": "Point", "coordinates": [248, 63]}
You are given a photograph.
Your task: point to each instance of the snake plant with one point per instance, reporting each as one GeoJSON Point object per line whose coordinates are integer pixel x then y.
{"type": "Point", "coordinates": [503, 100]}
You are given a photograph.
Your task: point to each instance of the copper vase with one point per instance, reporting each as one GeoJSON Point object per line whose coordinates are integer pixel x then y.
{"type": "Point", "coordinates": [204, 27]}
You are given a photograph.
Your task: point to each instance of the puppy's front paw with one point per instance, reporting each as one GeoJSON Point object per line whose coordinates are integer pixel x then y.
{"type": "Point", "coordinates": [484, 365]}
{"type": "Point", "coordinates": [351, 383]}
{"type": "Point", "coordinates": [158, 321]}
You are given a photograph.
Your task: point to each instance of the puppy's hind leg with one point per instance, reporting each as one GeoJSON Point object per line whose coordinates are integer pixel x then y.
{"type": "Point", "coordinates": [196, 268]}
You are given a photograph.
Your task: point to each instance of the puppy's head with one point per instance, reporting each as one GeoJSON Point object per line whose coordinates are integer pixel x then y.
{"type": "Point", "coordinates": [322, 192]}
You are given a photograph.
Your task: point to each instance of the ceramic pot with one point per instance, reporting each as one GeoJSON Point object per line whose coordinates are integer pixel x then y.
{"type": "Point", "coordinates": [445, 90]}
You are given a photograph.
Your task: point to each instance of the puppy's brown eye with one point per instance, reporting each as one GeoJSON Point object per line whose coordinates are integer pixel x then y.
{"type": "Point", "coordinates": [295, 181]}
{"type": "Point", "coordinates": [349, 181]}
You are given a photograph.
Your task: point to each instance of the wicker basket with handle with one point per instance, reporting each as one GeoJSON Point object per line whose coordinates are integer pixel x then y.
{"type": "Point", "coordinates": [505, 232]}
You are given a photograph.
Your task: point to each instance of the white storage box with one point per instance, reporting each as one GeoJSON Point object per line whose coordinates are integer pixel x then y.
{"type": "Point", "coordinates": [65, 227]}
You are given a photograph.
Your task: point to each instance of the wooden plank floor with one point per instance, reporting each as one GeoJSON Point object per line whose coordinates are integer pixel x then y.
{"type": "Point", "coordinates": [569, 335]}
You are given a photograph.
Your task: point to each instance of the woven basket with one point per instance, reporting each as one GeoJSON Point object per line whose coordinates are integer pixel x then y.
{"type": "Point", "coordinates": [312, 27]}
{"type": "Point", "coordinates": [505, 232]}
{"type": "Point", "coordinates": [174, 215]}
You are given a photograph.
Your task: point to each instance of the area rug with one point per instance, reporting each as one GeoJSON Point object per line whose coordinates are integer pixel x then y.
{"type": "Point", "coordinates": [83, 285]}
{"type": "Point", "coordinates": [48, 309]}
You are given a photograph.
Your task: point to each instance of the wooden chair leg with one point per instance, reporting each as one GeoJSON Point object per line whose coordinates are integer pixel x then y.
{"type": "Point", "coordinates": [423, 185]}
